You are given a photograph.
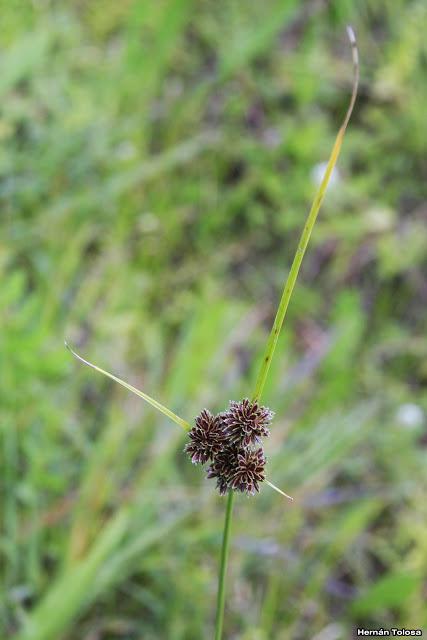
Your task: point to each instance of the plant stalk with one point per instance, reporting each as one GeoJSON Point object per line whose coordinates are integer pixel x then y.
{"type": "Point", "coordinates": [223, 566]}
{"type": "Point", "coordinates": [280, 316]}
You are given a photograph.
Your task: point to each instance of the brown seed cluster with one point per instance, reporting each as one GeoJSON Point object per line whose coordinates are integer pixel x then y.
{"type": "Point", "coordinates": [231, 442]}
{"type": "Point", "coordinates": [207, 438]}
{"type": "Point", "coordinates": [247, 422]}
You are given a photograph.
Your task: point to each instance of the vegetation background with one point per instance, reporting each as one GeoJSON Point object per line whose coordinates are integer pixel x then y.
{"type": "Point", "coordinates": [157, 162]}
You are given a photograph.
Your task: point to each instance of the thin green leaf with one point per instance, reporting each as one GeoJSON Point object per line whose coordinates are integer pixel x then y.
{"type": "Point", "coordinates": [167, 412]}
{"type": "Point", "coordinates": [306, 233]}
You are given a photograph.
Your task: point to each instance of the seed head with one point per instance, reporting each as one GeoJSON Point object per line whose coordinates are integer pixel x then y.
{"type": "Point", "coordinates": [223, 467]}
{"type": "Point", "coordinates": [247, 422]}
{"type": "Point", "coordinates": [206, 437]}
{"type": "Point", "coordinates": [249, 470]}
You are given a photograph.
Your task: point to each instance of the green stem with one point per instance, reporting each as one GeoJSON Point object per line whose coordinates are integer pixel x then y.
{"type": "Point", "coordinates": [223, 566]}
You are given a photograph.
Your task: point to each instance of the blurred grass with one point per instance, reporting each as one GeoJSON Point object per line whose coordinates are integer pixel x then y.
{"type": "Point", "coordinates": [156, 165]}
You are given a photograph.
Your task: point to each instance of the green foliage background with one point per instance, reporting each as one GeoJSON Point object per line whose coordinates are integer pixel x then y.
{"type": "Point", "coordinates": [157, 162]}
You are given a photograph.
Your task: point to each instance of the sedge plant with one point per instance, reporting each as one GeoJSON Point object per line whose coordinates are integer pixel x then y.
{"type": "Point", "coordinates": [230, 443]}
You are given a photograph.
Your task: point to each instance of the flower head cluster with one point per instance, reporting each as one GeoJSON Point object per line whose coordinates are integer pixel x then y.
{"type": "Point", "coordinates": [207, 438]}
{"type": "Point", "coordinates": [247, 422]}
{"type": "Point", "coordinates": [231, 442]}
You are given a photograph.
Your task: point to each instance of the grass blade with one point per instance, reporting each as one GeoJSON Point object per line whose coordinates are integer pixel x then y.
{"type": "Point", "coordinates": [285, 495]}
{"type": "Point", "coordinates": [167, 412]}
{"type": "Point", "coordinates": [308, 228]}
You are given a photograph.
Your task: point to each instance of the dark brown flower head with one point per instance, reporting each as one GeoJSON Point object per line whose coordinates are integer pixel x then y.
{"type": "Point", "coordinates": [247, 422]}
{"type": "Point", "coordinates": [223, 467]}
{"type": "Point", "coordinates": [249, 471]}
{"type": "Point", "coordinates": [206, 438]}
